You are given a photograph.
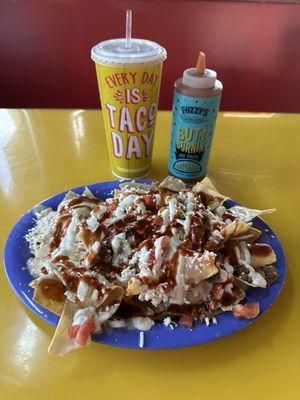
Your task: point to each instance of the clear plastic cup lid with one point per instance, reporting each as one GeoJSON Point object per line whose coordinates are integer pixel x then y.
{"type": "Point", "coordinates": [117, 51]}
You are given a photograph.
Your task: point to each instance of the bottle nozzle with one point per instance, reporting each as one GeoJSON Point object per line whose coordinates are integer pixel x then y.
{"type": "Point", "coordinates": [200, 67]}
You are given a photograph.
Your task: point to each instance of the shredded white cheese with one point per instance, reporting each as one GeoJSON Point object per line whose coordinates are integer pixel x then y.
{"type": "Point", "coordinates": [142, 340]}
{"type": "Point", "coordinates": [82, 290]}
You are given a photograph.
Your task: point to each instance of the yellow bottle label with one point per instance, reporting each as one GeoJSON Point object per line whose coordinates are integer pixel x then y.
{"type": "Point", "coordinates": [129, 98]}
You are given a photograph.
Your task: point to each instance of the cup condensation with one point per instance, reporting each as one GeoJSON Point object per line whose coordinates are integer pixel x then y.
{"type": "Point", "coordinates": [129, 84]}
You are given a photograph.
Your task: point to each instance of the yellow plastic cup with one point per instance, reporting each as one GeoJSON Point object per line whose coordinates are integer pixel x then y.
{"type": "Point", "coordinates": [129, 83]}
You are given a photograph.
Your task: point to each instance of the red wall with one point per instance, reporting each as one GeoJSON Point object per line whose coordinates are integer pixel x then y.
{"type": "Point", "coordinates": [45, 49]}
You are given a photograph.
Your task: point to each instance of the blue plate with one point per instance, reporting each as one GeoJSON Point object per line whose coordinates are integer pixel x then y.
{"type": "Point", "coordinates": [17, 253]}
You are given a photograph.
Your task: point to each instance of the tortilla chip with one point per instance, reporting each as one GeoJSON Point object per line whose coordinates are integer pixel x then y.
{"type": "Point", "coordinates": [205, 273]}
{"type": "Point", "coordinates": [200, 269]}
{"type": "Point", "coordinates": [249, 236]}
{"type": "Point", "coordinates": [248, 214]}
{"type": "Point", "coordinates": [114, 296]}
{"type": "Point", "coordinates": [116, 192]}
{"type": "Point", "coordinates": [134, 287]}
{"type": "Point", "coordinates": [198, 293]}
{"type": "Point", "coordinates": [233, 232]}
{"type": "Point", "coordinates": [210, 196]}
{"type": "Point", "coordinates": [172, 183]}
{"type": "Point", "coordinates": [88, 238]}
{"type": "Point", "coordinates": [206, 186]}
{"type": "Point", "coordinates": [226, 308]}
{"type": "Point", "coordinates": [136, 185]}
{"type": "Point", "coordinates": [49, 293]}
{"type": "Point", "coordinates": [261, 254]}
{"type": "Point", "coordinates": [61, 344]}
{"type": "Point", "coordinates": [235, 229]}
{"type": "Point", "coordinates": [87, 192]}
{"type": "Point", "coordinates": [69, 196]}
{"type": "Point", "coordinates": [106, 313]}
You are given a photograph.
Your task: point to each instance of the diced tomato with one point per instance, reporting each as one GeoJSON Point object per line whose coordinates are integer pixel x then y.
{"type": "Point", "coordinates": [72, 331]}
{"type": "Point", "coordinates": [248, 311]}
{"type": "Point", "coordinates": [149, 200]}
{"type": "Point", "coordinates": [85, 330]}
{"type": "Point", "coordinates": [186, 320]}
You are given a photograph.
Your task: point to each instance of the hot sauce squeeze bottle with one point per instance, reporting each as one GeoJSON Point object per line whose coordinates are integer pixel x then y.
{"type": "Point", "coordinates": [196, 102]}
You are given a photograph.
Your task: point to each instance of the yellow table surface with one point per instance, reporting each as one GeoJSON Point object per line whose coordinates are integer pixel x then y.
{"type": "Point", "coordinates": [255, 160]}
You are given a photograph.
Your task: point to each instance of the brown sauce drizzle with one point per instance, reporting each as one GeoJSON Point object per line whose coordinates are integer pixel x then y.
{"type": "Point", "coordinates": [93, 283]}
{"type": "Point", "coordinates": [83, 199]}
{"type": "Point", "coordinates": [148, 243]}
{"type": "Point", "coordinates": [172, 268]}
{"type": "Point", "coordinates": [228, 215]}
{"type": "Point", "coordinates": [259, 249]}
{"type": "Point", "coordinates": [65, 262]}
{"type": "Point", "coordinates": [71, 275]}
{"type": "Point", "coordinates": [165, 278]}
{"type": "Point", "coordinates": [227, 299]}
{"type": "Point", "coordinates": [207, 198]}
{"type": "Point", "coordinates": [144, 226]}
{"type": "Point", "coordinates": [120, 224]}
{"type": "Point", "coordinates": [58, 259]}
{"type": "Point", "coordinates": [185, 251]}
{"type": "Point", "coordinates": [229, 252]}
{"type": "Point", "coordinates": [71, 279]}
{"type": "Point", "coordinates": [163, 197]}
{"type": "Point", "coordinates": [103, 216]}
{"type": "Point", "coordinates": [197, 228]}
{"type": "Point", "coordinates": [88, 237]}
{"type": "Point", "coordinates": [60, 230]}
{"type": "Point", "coordinates": [53, 289]}
{"type": "Point", "coordinates": [76, 203]}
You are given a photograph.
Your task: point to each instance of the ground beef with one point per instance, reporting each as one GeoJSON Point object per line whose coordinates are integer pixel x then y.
{"type": "Point", "coordinates": [270, 273]}
{"type": "Point", "coordinates": [241, 272]}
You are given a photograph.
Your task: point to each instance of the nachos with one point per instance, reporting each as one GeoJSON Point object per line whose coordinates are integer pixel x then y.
{"type": "Point", "coordinates": [161, 252]}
